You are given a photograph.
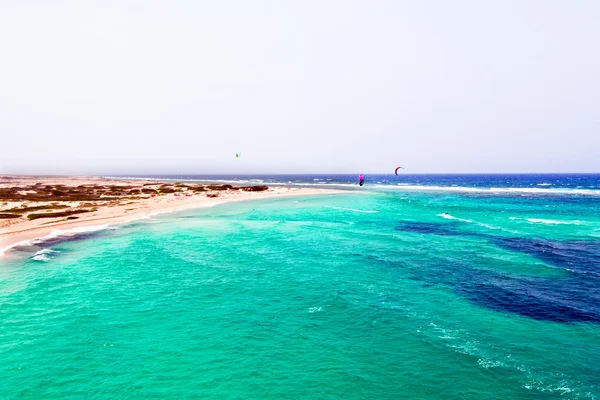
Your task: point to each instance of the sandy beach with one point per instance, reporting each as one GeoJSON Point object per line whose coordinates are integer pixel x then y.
{"type": "Point", "coordinates": [33, 207]}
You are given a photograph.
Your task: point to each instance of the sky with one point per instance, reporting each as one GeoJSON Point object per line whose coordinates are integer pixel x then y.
{"type": "Point", "coordinates": [143, 87]}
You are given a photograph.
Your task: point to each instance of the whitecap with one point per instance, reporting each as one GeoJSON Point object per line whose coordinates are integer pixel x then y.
{"type": "Point", "coordinates": [448, 216]}
{"type": "Point", "coordinates": [495, 190]}
{"type": "Point", "coordinates": [41, 257]}
{"type": "Point", "coordinates": [43, 254]}
{"type": "Point", "coordinates": [46, 251]}
{"type": "Point", "coordinates": [352, 209]}
{"type": "Point", "coordinates": [552, 221]}
{"type": "Point", "coordinates": [483, 225]}
{"type": "Point", "coordinates": [489, 363]}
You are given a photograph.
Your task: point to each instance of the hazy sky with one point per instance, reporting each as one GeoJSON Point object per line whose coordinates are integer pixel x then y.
{"type": "Point", "coordinates": [106, 87]}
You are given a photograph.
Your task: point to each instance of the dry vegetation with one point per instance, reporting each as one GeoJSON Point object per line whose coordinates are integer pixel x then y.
{"type": "Point", "coordinates": [56, 214]}
{"type": "Point", "coordinates": [8, 216]}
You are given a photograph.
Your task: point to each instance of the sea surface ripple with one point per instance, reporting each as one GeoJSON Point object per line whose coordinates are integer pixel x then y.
{"type": "Point", "coordinates": [375, 294]}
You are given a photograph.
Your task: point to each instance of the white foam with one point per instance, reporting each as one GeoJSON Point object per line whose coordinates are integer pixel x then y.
{"type": "Point", "coordinates": [552, 221]}
{"type": "Point", "coordinates": [483, 225]}
{"type": "Point", "coordinates": [353, 209]}
{"type": "Point", "coordinates": [5, 249]}
{"type": "Point", "coordinates": [72, 232]}
{"type": "Point", "coordinates": [46, 251]}
{"type": "Point", "coordinates": [547, 221]}
{"type": "Point", "coordinates": [42, 255]}
{"type": "Point", "coordinates": [547, 191]}
{"type": "Point", "coordinates": [523, 190]}
{"type": "Point", "coordinates": [543, 190]}
{"type": "Point", "coordinates": [486, 363]}
{"type": "Point", "coordinates": [55, 234]}
{"type": "Point", "coordinates": [448, 216]}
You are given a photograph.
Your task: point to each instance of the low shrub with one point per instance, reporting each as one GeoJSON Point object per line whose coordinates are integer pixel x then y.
{"type": "Point", "coordinates": [56, 214]}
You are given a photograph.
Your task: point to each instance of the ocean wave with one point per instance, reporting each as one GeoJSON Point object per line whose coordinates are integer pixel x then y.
{"type": "Point", "coordinates": [482, 224]}
{"type": "Point", "coordinates": [401, 187]}
{"type": "Point", "coordinates": [46, 251]}
{"type": "Point", "coordinates": [552, 221]}
{"type": "Point", "coordinates": [57, 234]}
{"type": "Point", "coordinates": [543, 189]}
{"type": "Point", "coordinates": [353, 209]}
{"type": "Point", "coordinates": [43, 255]}
{"type": "Point", "coordinates": [72, 232]}
{"type": "Point", "coordinates": [448, 216]}
{"type": "Point", "coordinates": [461, 342]}
{"type": "Point", "coordinates": [490, 190]}
{"type": "Point", "coordinates": [547, 221]}
{"type": "Point", "coordinates": [496, 190]}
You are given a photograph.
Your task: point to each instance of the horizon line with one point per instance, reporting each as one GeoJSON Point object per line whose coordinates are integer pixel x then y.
{"type": "Point", "coordinates": [140, 175]}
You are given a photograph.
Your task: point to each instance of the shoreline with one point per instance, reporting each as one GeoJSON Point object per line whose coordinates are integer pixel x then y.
{"type": "Point", "coordinates": [23, 232]}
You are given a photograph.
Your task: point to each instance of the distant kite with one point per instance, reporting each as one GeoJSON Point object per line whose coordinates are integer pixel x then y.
{"type": "Point", "coordinates": [396, 171]}
{"type": "Point", "coordinates": [238, 155]}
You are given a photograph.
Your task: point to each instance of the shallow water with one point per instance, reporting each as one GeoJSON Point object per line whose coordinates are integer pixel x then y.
{"type": "Point", "coordinates": [361, 295]}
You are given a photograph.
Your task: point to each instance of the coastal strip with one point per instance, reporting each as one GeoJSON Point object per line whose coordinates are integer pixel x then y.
{"type": "Point", "coordinates": [38, 207]}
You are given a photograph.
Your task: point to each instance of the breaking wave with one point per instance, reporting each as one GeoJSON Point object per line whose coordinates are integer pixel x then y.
{"type": "Point", "coordinates": [547, 221]}
{"type": "Point", "coordinates": [448, 216]}
{"type": "Point", "coordinates": [57, 235]}
{"type": "Point", "coordinates": [353, 209]}
{"type": "Point", "coordinates": [43, 255]}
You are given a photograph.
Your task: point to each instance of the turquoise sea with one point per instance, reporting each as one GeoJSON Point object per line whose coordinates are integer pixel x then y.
{"type": "Point", "coordinates": [377, 294]}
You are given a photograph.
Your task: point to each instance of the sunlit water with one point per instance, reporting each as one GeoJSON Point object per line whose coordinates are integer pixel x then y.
{"type": "Point", "coordinates": [383, 295]}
